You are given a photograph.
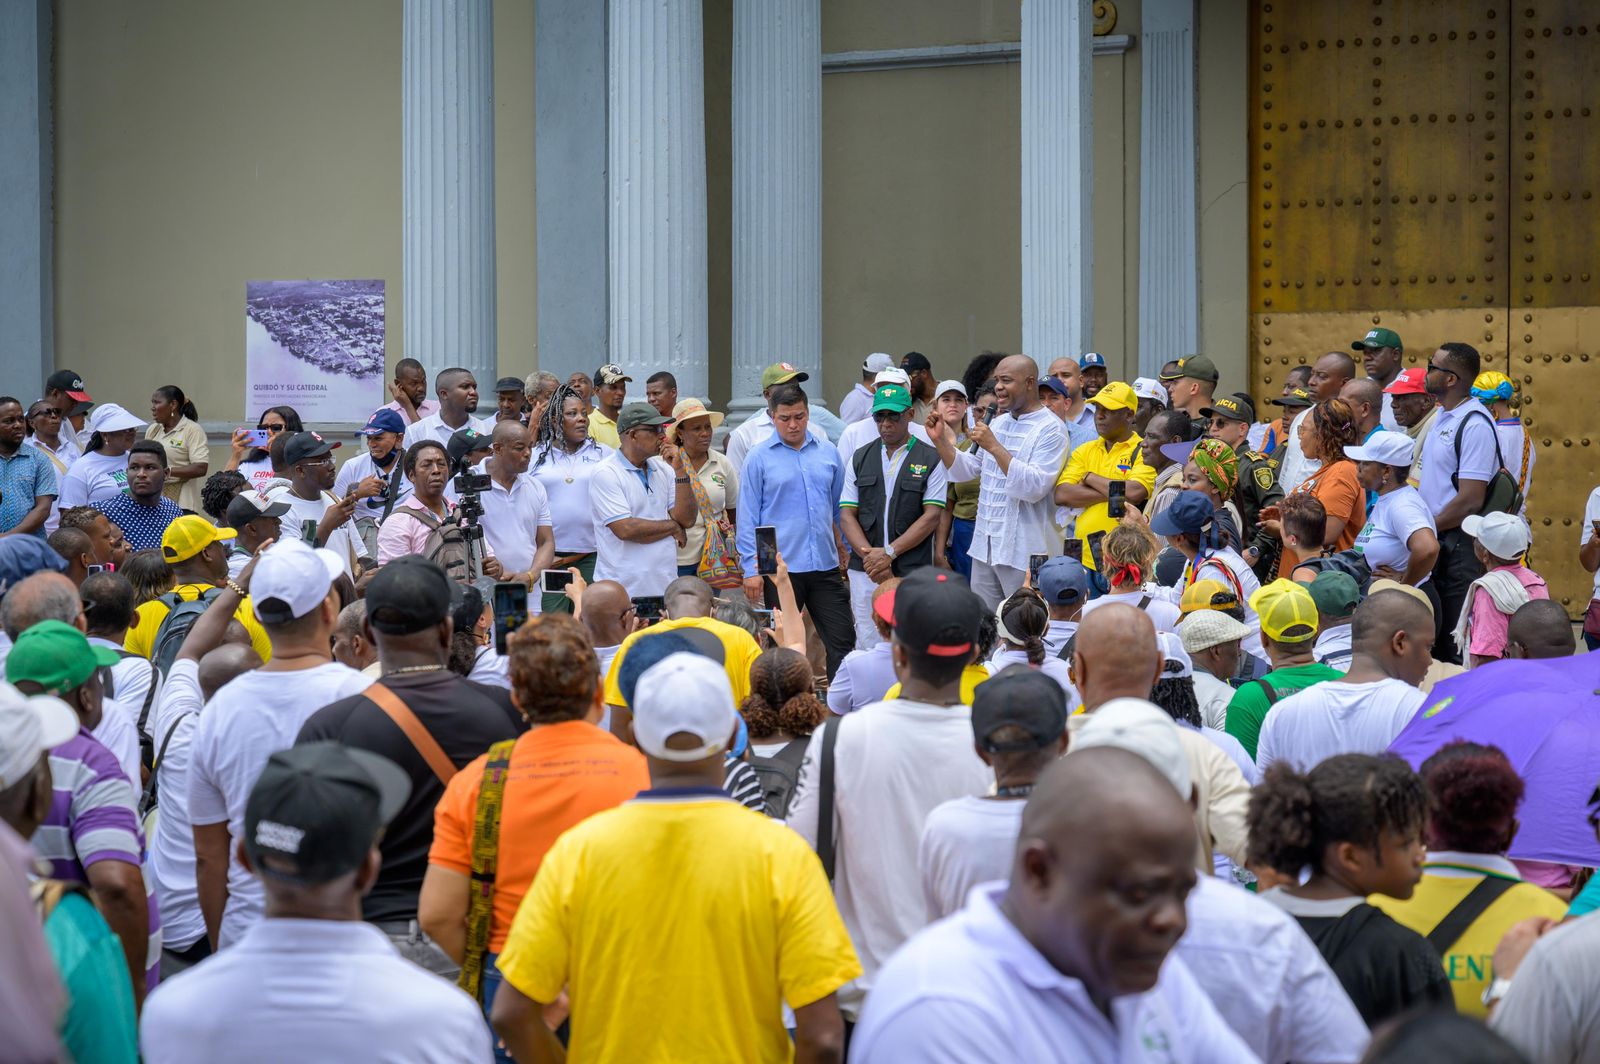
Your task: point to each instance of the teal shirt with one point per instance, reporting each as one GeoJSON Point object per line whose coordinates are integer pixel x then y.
{"type": "Point", "coordinates": [1249, 706]}
{"type": "Point", "coordinates": [1588, 899]}
{"type": "Point", "coordinates": [99, 1025]}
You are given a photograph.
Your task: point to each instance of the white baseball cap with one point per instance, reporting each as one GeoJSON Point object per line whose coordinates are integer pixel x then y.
{"type": "Point", "coordinates": [877, 362]}
{"type": "Point", "coordinates": [1177, 664]}
{"type": "Point", "coordinates": [1390, 448]}
{"type": "Point", "coordinates": [291, 579]}
{"type": "Point", "coordinates": [1503, 535]}
{"type": "Point", "coordinates": [109, 417]}
{"type": "Point", "coordinates": [30, 725]}
{"type": "Point", "coordinates": [892, 375]}
{"type": "Point", "coordinates": [951, 386]}
{"type": "Point", "coordinates": [1141, 728]}
{"type": "Point", "coordinates": [1150, 388]}
{"type": "Point", "coordinates": [683, 693]}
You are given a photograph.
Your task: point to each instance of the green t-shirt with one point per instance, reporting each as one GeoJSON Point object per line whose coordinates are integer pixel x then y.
{"type": "Point", "coordinates": [1249, 706]}
{"type": "Point", "coordinates": [99, 1024]}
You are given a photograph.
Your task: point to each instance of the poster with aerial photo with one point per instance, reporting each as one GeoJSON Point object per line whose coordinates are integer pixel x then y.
{"type": "Point", "coordinates": [316, 346]}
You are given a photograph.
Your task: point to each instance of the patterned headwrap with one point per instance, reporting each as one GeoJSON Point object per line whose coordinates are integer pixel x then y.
{"type": "Point", "coordinates": [1218, 463]}
{"type": "Point", "coordinates": [1490, 387]}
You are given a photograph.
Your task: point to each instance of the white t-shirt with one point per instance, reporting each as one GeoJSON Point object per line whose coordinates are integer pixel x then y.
{"type": "Point", "coordinates": [1058, 633]}
{"type": "Point", "coordinates": [249, 719]}
{"type": "Point", "coordinates": [172, 842]}
{"type": "Point", "coordinates": [492, 668]}
{"type": "Point", "coordinates": [1478, 449]}
{"type": "Point", "coordinates": [118, 731]}
{"type": "Point", "coordinates": [617, 492]}
{"type": "Point", "coordinates": [1053, 667]}
{"type": "Point", "coordinates": [566, 485]}
{"type": "Point", "coordinates": [433, 427]}
{"type": "Point", "coordinates": [1334, 717]}
{"type": "Point", "coordinates": [1591, 514]}
{"type": "Point", "coordinates": [965, 842]}
{"type": "Point", "coordinates": [92, 477]}
{"type": "Point", "coordinates": [1164, 614]}
{"type": "Point", "coordinates": [1390, 525]}
{"type": "Point", "coordinates": [894, 763]}
{"type": "Point", "coordinates": [258, 472]}
{"type": "Point", "coordinates": [1333, 648]}
{"type": "Point", "coordinates": [343, 540]}
{"type": "Point", "coordinates": [130, 680]}
{"type": "Point", "coordinates": [511, 520]}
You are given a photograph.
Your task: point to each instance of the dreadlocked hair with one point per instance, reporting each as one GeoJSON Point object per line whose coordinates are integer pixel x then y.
{"type": "Point", "coordinates": [782, 697]}
{"type": "Point", "coordinates": [1295, 816]}
{"type": "Point", "coordinates": [1175, 694]}
{"type": "Point", "coordinates": [1027, 618]}
{"type": "Point", "coordinates": [550, 434]}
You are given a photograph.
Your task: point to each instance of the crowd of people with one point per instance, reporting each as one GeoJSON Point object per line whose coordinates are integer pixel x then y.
{"type": "Point", "coordinates": [1026, 714]}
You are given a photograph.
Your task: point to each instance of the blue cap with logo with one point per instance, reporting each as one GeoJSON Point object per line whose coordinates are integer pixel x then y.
{"type": "Point", "coordinates": [1092, 359]}
{"type": "Point", "coordinates": [383, 420]}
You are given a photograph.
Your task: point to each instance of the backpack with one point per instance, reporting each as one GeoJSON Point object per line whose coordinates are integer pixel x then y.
{"type": "Point", "coordinates": [1352, 563]}
{"type": "Point", "coordinates": [446, 544]}
{"type": "Point", "coordinates": [779, 774]}
{"type": "Point", "coordinates": [1501, 495]}
{"type": "Point", "coordinates": [181, 615]}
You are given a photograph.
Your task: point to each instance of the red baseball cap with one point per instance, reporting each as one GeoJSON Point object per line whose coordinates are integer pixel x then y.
{"type": "Point", "coordinates": [1409, 382]}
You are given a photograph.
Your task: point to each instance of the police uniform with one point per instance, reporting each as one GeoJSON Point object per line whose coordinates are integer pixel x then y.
{"type": "Point", "coordinates": [1256, 488]}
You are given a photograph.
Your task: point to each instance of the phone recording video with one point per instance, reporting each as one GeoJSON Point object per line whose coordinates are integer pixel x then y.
{"type": "Point", "coordinates": [554, 581]}
{"type": "Point", "coordinates": [1116, 498]}
{"type": "Point", "coordinates": [510, 612]}
{"type": "Point", "coordinates": [766, 549]}
{"type": "Point", "coordinates": [648, 608]}
{"type": "Point", "coordinates": [1034, 563]}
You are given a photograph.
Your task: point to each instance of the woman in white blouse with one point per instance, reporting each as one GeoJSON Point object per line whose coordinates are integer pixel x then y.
{"type": "Point", "coordinates": [564, 458]}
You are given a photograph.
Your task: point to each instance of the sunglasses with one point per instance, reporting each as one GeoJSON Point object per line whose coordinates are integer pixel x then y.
{"type": "Point", "coordinates": [273, 428]}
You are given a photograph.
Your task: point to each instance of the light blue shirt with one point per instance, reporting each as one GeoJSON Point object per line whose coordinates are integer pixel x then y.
{"type": "Point", "coordinates": [1079, 434]}
{"type": "Point", "coordinates": [798, 491]}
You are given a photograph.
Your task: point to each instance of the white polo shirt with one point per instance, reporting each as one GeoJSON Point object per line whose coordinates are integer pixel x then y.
{"type": "Point", "coordinates": [972, 989]}
{"type": "Point", "coordinates": [433, 427]}
{"type": "Point", "coordinates": [617, 491]}
{"type": "Point", "coordinates": [312, 990]}
{"type": "Point", "coordinates": [1334, 717]}
{"type": "Point", "coordinates": [511, 519]}
{"type": "Point", "coordinates": [858, 434]}
{"type": "Point", "coordinates": [1478, 451]}
{"type": "Point", "coordinates": [966, 842]}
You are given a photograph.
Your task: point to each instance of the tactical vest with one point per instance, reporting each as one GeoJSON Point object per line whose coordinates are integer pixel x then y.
{"type": "Point", "coordinates": [900, 512]}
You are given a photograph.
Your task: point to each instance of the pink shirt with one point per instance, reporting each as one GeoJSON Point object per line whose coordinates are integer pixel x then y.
{"type": "Point", "coordinates": [402, 533]}
{"type": "Point", "coordinates": [1489, 625]}
{"type": "Point", "coordinates": [427, 408]}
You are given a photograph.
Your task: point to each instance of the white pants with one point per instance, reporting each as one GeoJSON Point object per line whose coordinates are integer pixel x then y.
{"type": "Point", "coordinates": [861, 589]}
{"type": "Point", "coordinates": [995, 583]}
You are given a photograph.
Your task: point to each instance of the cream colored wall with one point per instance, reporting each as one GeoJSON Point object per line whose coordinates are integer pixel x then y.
{"type": "Point", "coordinates": [201, 144]}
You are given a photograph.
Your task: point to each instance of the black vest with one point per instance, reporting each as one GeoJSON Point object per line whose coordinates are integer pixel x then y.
{"type": "Point", "coordinates": [900, 512]}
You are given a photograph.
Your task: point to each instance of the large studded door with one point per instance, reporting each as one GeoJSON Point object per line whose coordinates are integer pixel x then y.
{"type": "Point", "coordinates": [1434, 168]}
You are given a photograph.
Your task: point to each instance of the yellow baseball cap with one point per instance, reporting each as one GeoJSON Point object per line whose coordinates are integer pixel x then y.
{"type": "Point", "coordinates": [1117, 395]}
{"type": "Point", "coordinates": [1207, 595]}
{"type": "Point", "coordinates": [188, 536]}
{"type": "Point", "coordinates": [1288, 612]}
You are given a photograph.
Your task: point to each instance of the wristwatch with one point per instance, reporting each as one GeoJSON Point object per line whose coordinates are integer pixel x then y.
{"type": "Point", "coordinates": [1497, 989]}
{"type": "Point", "coordinates": [889, 552]}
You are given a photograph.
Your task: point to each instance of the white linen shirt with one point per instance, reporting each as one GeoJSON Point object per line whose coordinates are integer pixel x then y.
{"type": "Point", "coordinates": [617, 493]}
{"type": "Point", "coordinates": [857, 405]}
{"type": "Point", "coordinates": [310, 990]}
{"type": "Point", "coordinates": [1335, 717]}
{"type": "Point", "coordinates": [433, 427]}
{"type": "Point", "coordinates": [1295, 467]}
{"type": "Point", "coordinates": [756, 430]}
{"type": "Point", "coordinates": [1478, 449]}
{"type": "Point", "coordinates": [511, 519]}
{"type": "Point", "coordinates": [1016, 509]}
{"type": "Point", "coordinates": [971, 990]}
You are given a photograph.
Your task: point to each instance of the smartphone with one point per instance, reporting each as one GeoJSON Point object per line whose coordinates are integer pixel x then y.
{"type": "Point", "coordinates": [764, 617]}
{"type": "Point", "coordinates": [308, 531]}
{"type": "Point", "coordinates": [108, 567]}
{"type": "Point", "coordinates": [1116, 498]}
{"type": "Point", "coordinates": [766, 549]}
{"type": "Point", "coordinates": [554, 581]}
{"type": "Point", "coordinates": [648, 607]}
{"type": "Point", "coordinates": [257, 437]}
{"type": "Point", "coordinates": [510, 611]}
{"type": "Point", "coordinates": [1035, 561]}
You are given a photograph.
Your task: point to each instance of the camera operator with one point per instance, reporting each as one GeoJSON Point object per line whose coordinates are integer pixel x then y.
{"type": "Point", "coordinates": [407, 528]}
{"type": "Point", "coordinates": [516, 510]}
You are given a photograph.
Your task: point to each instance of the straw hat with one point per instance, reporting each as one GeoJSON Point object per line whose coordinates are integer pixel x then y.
{"type": "Point", "coordinates": [687, 409]}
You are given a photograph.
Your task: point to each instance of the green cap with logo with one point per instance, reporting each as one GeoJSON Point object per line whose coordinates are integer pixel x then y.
{"type": "Point", "coordinates": [1378, 338]}
{"type": "Point", "coordinates": [895, 398]}
{"type": "Point", "coordinates": [782, 373]}
{"type": "Point", "coordinates": [639, 416]}
{"type": "Point", "coordinates": [57, 657]}
{"type": "Point", "coordinates": [1198, 367]}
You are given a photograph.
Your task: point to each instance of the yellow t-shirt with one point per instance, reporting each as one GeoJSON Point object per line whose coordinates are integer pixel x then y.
{"type": "Point", "coordinates": [739, 652]}
{"type": "Point", "coordinates": [603, 430]}
{"type": "Point", "coordinates": [704, 913]}
{"type": "Point", "coordinates": [147, 620]}
{"type": "Point", "coordinates": [1468, 964]}
{"type": "Point", "coordinates": [1122, 461]}
{"type": "Point", "coordinates": [971, 677]}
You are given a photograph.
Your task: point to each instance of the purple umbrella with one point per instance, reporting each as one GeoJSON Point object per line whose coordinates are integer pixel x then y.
{"type": "Point", "coordinates": [1545, 715]}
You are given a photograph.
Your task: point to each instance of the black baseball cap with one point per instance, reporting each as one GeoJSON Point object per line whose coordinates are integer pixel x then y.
{"type": "Point", "coordinates": [317, 809]}
{"type": "Point", "coordinates": [66, 380]}
{"type": "Point", "coordinates": [407, 595]}
{"type": "Point", "coordinates": [915, 360]}
{"type": "Point", "coordinates": [1297, 398]}
{"type": "Point", "coordinates": [508, 384]}
{"type": "Point", "coordinates": [303, 445]}
{"type": "Point", "coordinates": [933, 613]}
{"type": "Point", "coordinates": [463, 442]}
{"type": "Point", "coordinates": [1236, 408]}
{"type": "Point", "coordinates": [1023, 697]}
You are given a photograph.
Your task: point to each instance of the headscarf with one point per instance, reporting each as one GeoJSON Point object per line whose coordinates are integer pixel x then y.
{"type": "Point", "coordinates": [1218, 464]}
{"type": "Point", "coordinates": [1492, 387]}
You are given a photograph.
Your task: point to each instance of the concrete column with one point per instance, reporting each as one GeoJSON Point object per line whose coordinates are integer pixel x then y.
{"type": "Point", "coordinates": [27, 304]}
{"type": "Point", "coordinates": [1057, 179]}
{"type": "Point", "coordinates": [570, 183]}
{"type": "Point", "coordinates": [1169, 304]}
{"type": "Point", "coordinates": [656, 152]}
{"type": "Point", "coordinates": [448, 104]}
{"type": "Point", "coordinates": [777, 194]}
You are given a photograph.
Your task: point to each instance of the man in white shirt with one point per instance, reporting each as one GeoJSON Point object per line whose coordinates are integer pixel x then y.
{"type": "Point", "coordinates": [1336, 596]}
{"type": "Point", "coordinates": [107, 613]}
{"type": "Point", "coordinates": [858, 434]}
{"type": "Point", "coordinates": [311, 981]}
{"type": "Point", "coordinates": [894, 762]}
{"type": "Point", "coordinates": [1211, 638]}
{"type": "Point", "coordinates": [308, 459]}
{"type": "Point", "coordinates": [292, 596]}
{"type": "Point", "coordinates": [641, 503]}
{"type": "Point", "coordinates": [384, 459]}
{"type": "Point", "coordinates": [1362, 712]}
{"type": "Point", "coordinates": [1018, 458]}
{"type": "Point", "coordinates": [1064, 584]}
{"type": "Point", "coordinates": [1548, 976]}
{"type": "Point", "coordinates": [1069, 960]}
{"type": "Point", "coordinates": [757, 428]}
{"type": "Point", "coordinates": [857, 406]}
{"type": "Point", "coordinates": [457, 390]}
{"type": "Point", "coordinates": [516, 510]}
{"type": "Point", "coordinates": [1328, 374]}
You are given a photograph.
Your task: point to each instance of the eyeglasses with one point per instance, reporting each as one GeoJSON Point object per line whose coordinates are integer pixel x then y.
{"type": "Point", "coordinates": [1219, 422]}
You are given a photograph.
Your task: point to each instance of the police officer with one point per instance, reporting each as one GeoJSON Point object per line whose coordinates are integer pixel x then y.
{"type": "Point", "coordinates": [1229, 419]}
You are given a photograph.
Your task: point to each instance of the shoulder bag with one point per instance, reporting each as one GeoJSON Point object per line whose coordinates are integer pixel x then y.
{"type": "Point", "coordinates": [719, 559]}
{"type": "Point", "coordinates": [485, 859]}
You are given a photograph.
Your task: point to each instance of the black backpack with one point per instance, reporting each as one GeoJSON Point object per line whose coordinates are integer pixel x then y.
{"type": "Point", "coordinates": [1501, 495]}
{"type": "Point", "coordinates": [1352, 562]}
{"type": "Point", "coordinates": [181, 615]}
{"type": "Point", "coordinates": [779, 774]}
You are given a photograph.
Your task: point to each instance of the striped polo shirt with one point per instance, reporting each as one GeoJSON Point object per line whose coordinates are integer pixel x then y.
{"type": "Point", "coordinates": [92, 819]}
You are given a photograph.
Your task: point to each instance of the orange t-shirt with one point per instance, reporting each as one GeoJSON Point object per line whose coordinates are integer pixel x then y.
{"type": "Point", "coordinates": [1339, 490]}
{"type": "Point", "coordinates": [560, 774]}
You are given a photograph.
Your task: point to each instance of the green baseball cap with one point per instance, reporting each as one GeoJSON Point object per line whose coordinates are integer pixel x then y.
{"type": "Point", "coordinates": [782, 373]}
{"type": "Point", "coordinates": [57, 657]}
{"type": "Point", "coordinates": [639, 416]}
{"type": "Point", "coordinates": [1199, 367]}
{"type": "Point", "coordinates": [895, 398]}
{"type": "Point", "coordinates": [1378, 338]}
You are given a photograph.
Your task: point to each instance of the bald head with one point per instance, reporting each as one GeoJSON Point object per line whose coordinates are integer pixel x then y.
{"type": "Point", "coordinates": [688, 596]}
{"type": "Point", "coordinates": [605, 612]}
{"type": "Point", "coordinates": [1383, 613]}
{"type": "Point", "coordinates": [1082, 788]}
{"type": "Point", "coordinates": [1365, 397]}
{"type": "Point", "coordinates": [224, 664]}
{"type": "Point", "coordinates": [40, 597]}
{"type": "Point", "coordinates": [1540, 629]}
{"type": "Point", "coordinates": [1115, 655]}
{"type": "Point", "coordinates": [1329, 374]}
{"type": "Point", "coordinates": [507, 432]}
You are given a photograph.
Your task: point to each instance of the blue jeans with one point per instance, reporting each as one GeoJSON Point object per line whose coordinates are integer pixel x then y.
{"type": "Point", "coordinates": [491, 983]}
{"type": "Point", "coordinates": [960, 544]}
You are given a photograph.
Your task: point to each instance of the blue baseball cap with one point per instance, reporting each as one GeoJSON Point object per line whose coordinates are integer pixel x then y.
{"type": "Point", "coordinates": [1063, 581]}
{"type": "Point", "coordinates": [1190, 512]}
{"type": "Point", "coordinates": [383, 420]}
{"type": "Point", "coordinates": [1093, 358]}
{"type": "Point", "coordinates": [22, 556]}
{"type": "Point", "coordinates": [1054, 385]}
